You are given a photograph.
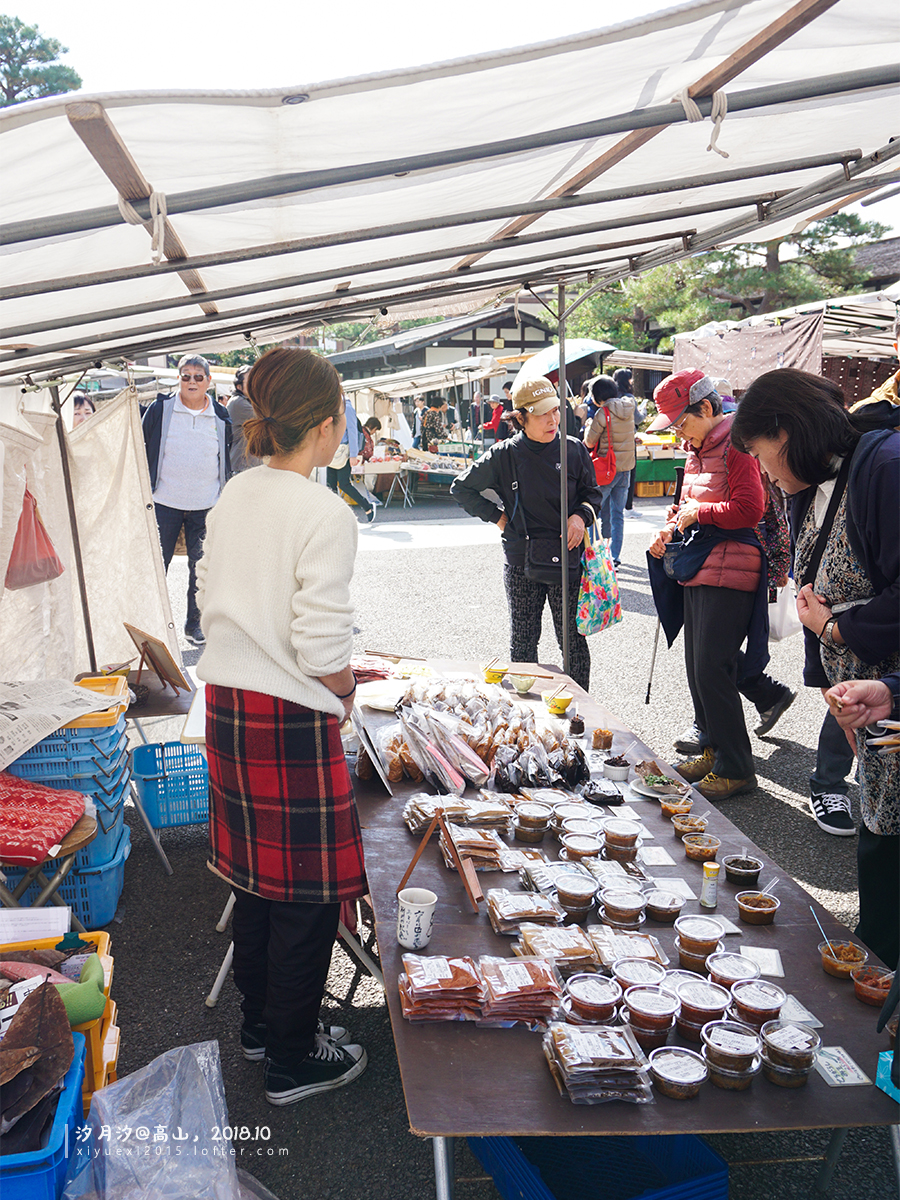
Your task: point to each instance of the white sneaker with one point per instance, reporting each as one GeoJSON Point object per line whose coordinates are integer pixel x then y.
{"type": "Point", "coordinates": [832, 813]}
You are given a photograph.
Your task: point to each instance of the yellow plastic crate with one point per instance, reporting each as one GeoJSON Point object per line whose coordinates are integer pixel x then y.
{"type": "Point", "coordinates": [106, 685]}
{"type": "Point", "coordinates": [101, 1052]}
{"type": "Point", "coordinates": [100, 939]}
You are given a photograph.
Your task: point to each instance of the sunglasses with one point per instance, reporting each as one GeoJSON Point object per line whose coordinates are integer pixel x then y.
{"type": "Point", "coordinates": [195, 378]}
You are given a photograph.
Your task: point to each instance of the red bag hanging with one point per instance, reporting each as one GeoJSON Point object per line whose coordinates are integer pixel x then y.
{"type": "Point", "coordinates": [33, 559]}
{"type": "Point", "coordinates": [604, 464]}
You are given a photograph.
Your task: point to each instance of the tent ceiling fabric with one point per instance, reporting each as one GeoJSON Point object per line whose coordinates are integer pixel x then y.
{"type": "Point", "coordinates": [367, 237]}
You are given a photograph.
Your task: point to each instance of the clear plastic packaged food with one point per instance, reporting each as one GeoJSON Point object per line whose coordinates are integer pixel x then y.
{"type": "Point", "coordinates": [678, 1073]}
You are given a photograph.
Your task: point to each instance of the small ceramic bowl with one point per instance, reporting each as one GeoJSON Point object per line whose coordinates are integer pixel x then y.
{"type": "Point", "coordinates": [494, 674]}
{"type": "Point", "coordinates": [558, 704]}
{"type": "Point", "coordinates": [522, 683]}
{"type": "Point", "coordinates": [616, 772]}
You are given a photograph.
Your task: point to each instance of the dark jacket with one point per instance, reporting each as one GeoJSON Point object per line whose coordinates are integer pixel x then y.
{"type": "Point", "coordinates": [872, 630]}
{"type": "Point", "coordinates": [536, 467]}
{"type": "Point", "coordinates": [155, 426]}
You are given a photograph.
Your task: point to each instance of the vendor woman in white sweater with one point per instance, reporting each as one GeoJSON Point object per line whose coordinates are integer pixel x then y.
{"type": "Point", "coordinates": [274, 594]}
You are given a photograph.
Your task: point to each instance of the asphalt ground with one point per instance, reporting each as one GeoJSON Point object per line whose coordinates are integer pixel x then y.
{"type": "Point", "coordinates": [428, 582]}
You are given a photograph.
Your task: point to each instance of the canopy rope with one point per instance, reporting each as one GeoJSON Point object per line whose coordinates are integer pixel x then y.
{"type": "Point", "coordinates": [717, 115]}
{"type": "Point", "coordinates": [157, 217]}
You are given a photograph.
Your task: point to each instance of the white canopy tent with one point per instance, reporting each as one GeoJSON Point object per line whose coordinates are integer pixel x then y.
{"type": "Point", "coordinates": [277, 210]}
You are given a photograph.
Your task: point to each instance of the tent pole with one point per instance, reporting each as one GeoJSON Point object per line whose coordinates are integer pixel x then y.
{"type": "Point", "coordinates": [73, 525]}
{"type": "Point", "coordinates": [563, 471]}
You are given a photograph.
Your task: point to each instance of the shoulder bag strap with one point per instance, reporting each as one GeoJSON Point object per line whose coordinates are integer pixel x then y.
{"type": "Point", "coordinates": [809, 575]}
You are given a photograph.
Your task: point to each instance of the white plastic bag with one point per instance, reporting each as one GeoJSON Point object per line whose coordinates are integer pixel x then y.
{"type": "Point", "coordinates": [181, 1094]}
{"type": "Point", "coordinates": [783, 619]}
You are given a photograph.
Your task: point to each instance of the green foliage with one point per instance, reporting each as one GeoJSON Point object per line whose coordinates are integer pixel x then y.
{"type": "Point", "coordinates": [28, 66]}
{"type": "Point", "coordinates": [643, 313]}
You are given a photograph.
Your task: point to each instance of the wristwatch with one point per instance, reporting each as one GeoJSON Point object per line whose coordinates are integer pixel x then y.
{"type": "Point", "coordinates": [826, 637]}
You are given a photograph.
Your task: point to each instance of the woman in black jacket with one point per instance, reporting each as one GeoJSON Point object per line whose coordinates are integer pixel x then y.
{"type": "Point", "coordinates": [524, 472]}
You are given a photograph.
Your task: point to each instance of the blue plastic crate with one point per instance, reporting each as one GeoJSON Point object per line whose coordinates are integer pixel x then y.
{"type": "Point", "coordinates": [85, 757]}
{"type": "Point", "coordinates": [79, 775]}
{"type": "Point", "coordinates": [40, 1175]}
{"type": "Point", "coordinates": [678, 1167]}
{"type": "Point", "coordinates": [68, 743]}
{"type": "Point", "coordinates": [173, 783]}
{"type": "Point", "coordinates": [93, 892]}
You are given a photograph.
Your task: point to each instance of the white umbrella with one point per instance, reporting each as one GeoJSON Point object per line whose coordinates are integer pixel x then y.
{"type": "Point", "coordinates": [546, 361]}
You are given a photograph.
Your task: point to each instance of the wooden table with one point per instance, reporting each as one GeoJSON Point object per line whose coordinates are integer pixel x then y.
{"type": "Point", "coordinates": [459, 1080]}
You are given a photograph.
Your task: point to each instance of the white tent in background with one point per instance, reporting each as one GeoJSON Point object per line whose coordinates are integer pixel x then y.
{"type": "Point", "coordinates": [562, 162]}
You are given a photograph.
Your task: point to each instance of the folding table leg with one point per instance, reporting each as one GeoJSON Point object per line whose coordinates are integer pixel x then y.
{"type": "Point", "coordinates": [832, 1154]}
{"type": "Point", "coordinates": [151, 832]}
{"type": "Point", "coordinates": [356, 949]}
{"type": "Point", "coordinates": [213, 998]}
{"type": "Point", "coordinates": [443, 1167]}
{"type": "Point", "coordinates": [895, 1146]}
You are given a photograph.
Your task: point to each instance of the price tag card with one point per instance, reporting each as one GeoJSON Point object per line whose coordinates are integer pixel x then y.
{"type": "Point", "coordinates": [655, 856]}
{"type": "Point", "coordinates": [681, 886]}
{"type": "Point", "coordinates": [768, 961]}
{"type": "Point", "coordinates": [625, 810]}
{"type": "Point", "coordinates": [729, 926]}
{"type": "Point", "coordinates": [838, 1069]}
{"type": "Point", "coordinates": [793, 1010]}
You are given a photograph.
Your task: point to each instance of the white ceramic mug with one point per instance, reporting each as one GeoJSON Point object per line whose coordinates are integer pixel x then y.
{"type": "Point", "coordinates": [415, 917]}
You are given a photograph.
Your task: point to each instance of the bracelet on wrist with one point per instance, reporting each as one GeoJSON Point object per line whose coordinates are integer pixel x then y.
{"type": "Point", "coordinates": [347, 695]}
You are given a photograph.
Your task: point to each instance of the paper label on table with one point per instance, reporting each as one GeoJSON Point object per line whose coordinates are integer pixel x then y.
{"type": "Point", "coordinates": [793, 1010]}
{"type": "Point", "coordinates": [681, 886]}
{"type": "Point", "coordinates": [593, 1045]}
{"type": "Point", "coordinates": [25, 924]}
{"type": "Point", "coordinates": [655, 856]}
{"type": "Point", "coordinates": [791, 1037]}
{"type": "Point", "coordinates": [435, 968]}
{"type": "Point", "coordinates": [768, 961]}
{"type": "Point", "coordinates": [676, 1067]}
{"type": "Point", "coordinates": [838, 1069]}
{"type": "Point", "coordinates": [739, 1043]}
{"type": "Point", "coordinates": [515, 976]}
{"type": "Point", "coordinates": [729, 926]}
{"type": "Point", "coordinates": [625, 810]}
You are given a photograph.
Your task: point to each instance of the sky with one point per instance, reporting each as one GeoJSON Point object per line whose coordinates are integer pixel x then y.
{"type": "Point", "coordinates": [233, 44]}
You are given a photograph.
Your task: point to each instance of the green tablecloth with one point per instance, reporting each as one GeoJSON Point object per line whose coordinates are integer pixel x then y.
{"type": "Point", "coordinates": [651, 470]}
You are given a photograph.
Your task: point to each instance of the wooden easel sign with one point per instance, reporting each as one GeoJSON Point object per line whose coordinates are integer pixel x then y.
{"type": "Point", "coordinates": [155, 655]}
{"type": "Point", "coordinates": [463, 865]}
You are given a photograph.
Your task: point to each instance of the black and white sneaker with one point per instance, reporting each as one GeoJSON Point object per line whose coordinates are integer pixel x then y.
{"type": "Point", "coordinates": [832, 813]}
{"type": "Point", "coordinates": [325, 1068]}
{"type": "Point", "coordinates": [194, 633]}
{"type": "Point", "coordinates": [769, 716]}
{"type": "Point", "coordinates": [253, 1039]}
{"type": "Point", "coordinates": [688, 742]}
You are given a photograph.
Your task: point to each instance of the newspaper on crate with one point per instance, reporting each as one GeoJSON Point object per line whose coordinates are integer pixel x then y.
{"type": "Point", "coordinates": [31, 710]}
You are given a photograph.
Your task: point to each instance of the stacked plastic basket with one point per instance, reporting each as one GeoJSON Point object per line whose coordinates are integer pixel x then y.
{"type": "Point", "coordinates": [93, 760]}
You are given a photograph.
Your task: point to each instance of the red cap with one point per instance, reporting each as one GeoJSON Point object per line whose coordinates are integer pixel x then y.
{"type": "Point", "coordinates": [676, 393]}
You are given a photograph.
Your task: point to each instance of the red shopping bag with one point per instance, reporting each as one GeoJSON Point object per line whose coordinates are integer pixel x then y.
{"type": "Point", "coordinates": [33, 559]}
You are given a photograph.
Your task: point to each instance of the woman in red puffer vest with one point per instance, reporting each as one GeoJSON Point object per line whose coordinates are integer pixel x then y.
{"type": "Point", "coordinates": [722, 488]}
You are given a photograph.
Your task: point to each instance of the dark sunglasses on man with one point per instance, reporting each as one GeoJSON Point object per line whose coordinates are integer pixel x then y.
{"type": "Point", "coordinates": [194, 378]}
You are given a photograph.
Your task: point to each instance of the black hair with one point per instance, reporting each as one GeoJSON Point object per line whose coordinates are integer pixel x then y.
{"type": "Point", "coordinates": [240, 375]}
{"type": "Point", "coordinates": [809, 408]}
{"type": "Point", "coordinates": [622, 380]}
{"type": "Point", "coordinates": [83, 399]}
{"type": "Point", "coordinates": [373, 425]}
{"type": "Point", "coordinates": [603, 388]}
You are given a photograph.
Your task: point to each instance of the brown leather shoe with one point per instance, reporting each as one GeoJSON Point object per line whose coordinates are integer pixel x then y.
{"type": "Point", "coordinates": [715, 787]}
{"type": "Point", "coordinates": [696, 768]}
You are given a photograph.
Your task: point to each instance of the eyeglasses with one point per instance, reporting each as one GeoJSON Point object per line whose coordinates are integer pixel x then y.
{"type": "Point", "coordinates": [195, 378]}
{"type": "Point", "coordinates": [679, 425]}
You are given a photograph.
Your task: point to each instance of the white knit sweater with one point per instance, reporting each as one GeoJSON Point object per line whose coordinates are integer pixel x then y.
{"type": "Point", "coordinates": [273, 587]}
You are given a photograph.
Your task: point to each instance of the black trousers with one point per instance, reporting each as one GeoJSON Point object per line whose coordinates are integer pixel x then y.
{"type": "Point", "coordinates": [341, 475]}
{"type": "Point", "coordinates": [878, 866]}
{"type": "Point", "coordinates": [169, 522]}
{"type": "Point", "coordinates": [715, 624]}
{"type": "Point", "coordinates": [526, 607]}
{"type": "Point", "coordinates": [282, 952]}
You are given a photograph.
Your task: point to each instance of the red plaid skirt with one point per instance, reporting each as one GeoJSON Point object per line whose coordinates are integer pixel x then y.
{"type": "Point", "coordinates": [282, 816]}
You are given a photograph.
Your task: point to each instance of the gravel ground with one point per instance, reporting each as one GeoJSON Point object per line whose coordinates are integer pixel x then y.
{"type": "Point", "coordinates": [428, 581]}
